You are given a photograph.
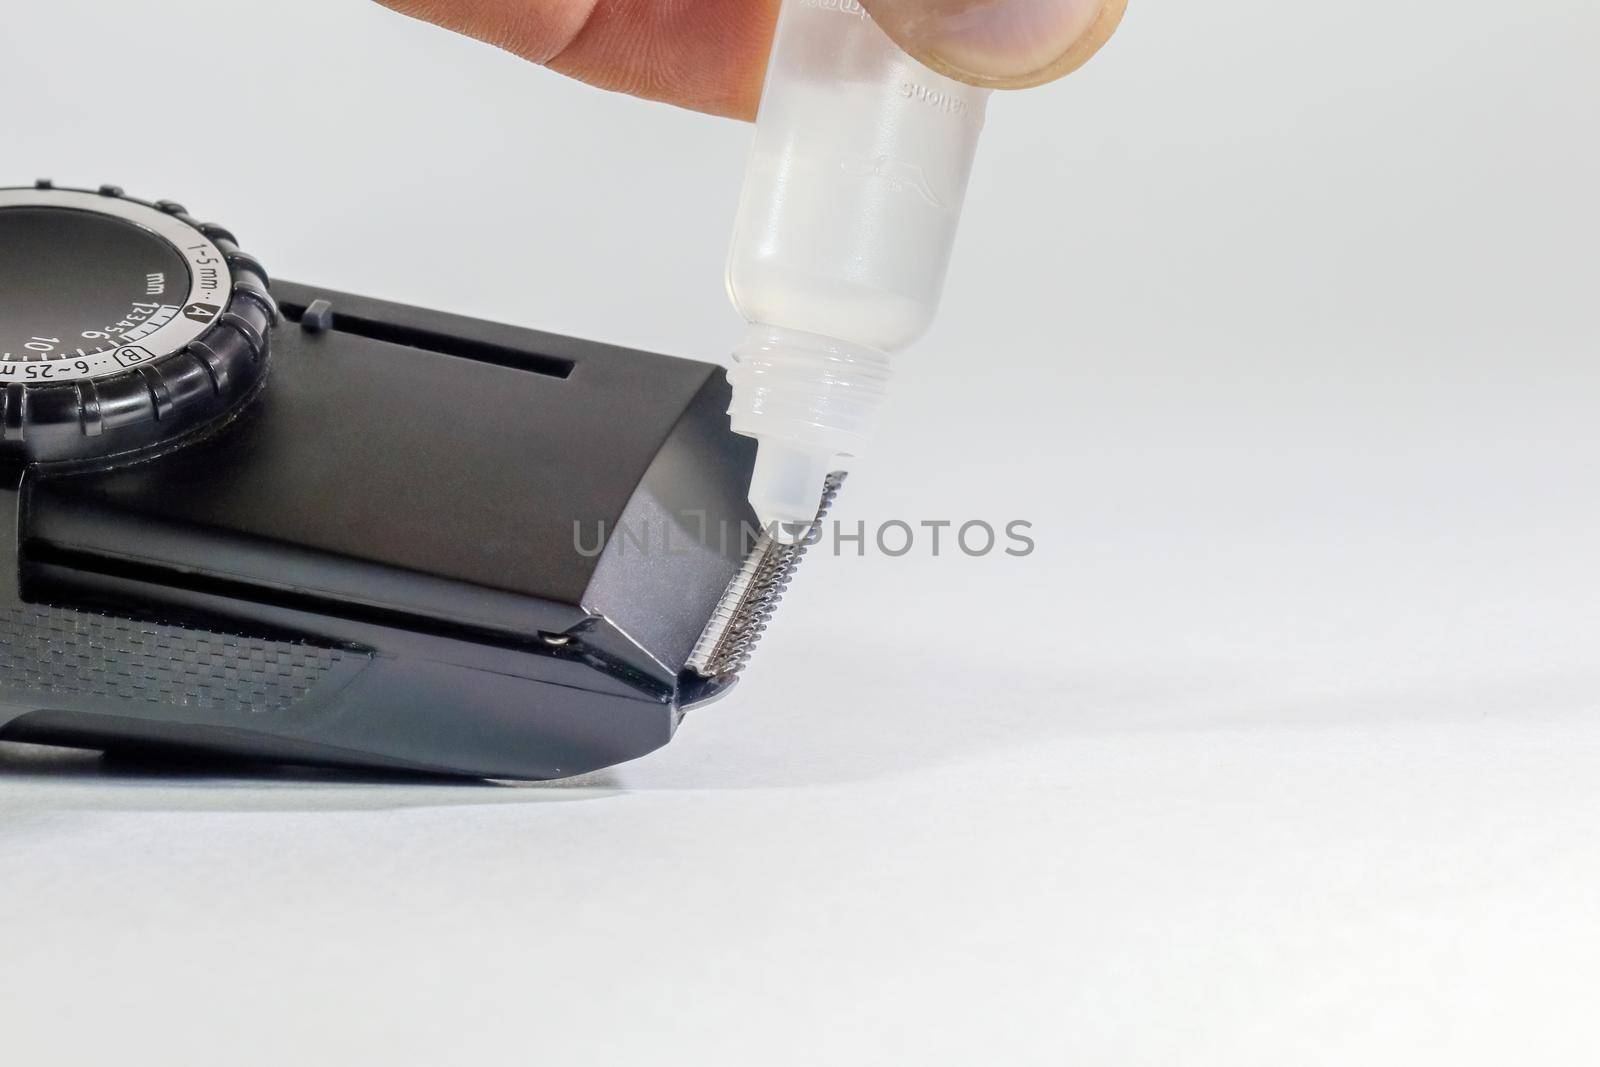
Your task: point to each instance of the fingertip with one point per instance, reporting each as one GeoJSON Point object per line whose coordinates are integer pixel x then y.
{"type": "Point", "coordinates": [1000, 44]}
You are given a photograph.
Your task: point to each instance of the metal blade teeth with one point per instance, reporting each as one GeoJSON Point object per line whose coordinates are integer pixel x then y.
{"type": "Point", "coordinates": [745, 609]}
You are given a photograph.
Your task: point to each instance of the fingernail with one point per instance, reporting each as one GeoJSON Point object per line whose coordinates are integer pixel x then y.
{"type": "Point", "coordinates": [1000, 43]}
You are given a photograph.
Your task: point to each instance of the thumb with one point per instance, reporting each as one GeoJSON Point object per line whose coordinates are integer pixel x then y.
{"type": "Point", "coordinates": [1000, 44]}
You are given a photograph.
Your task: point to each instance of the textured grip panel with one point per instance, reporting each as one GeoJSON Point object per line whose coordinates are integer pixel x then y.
{"type": "Point", "coordinates": [52, 656]}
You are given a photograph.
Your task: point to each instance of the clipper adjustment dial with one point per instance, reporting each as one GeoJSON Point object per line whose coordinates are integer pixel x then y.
{"type": "Point", "coordinates": [123, 324]}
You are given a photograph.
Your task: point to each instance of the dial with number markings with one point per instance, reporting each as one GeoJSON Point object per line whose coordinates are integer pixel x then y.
{"type": "Point", "coordinates": [92, 285]}
{"type": "Point", "coordinates": [123, 324]}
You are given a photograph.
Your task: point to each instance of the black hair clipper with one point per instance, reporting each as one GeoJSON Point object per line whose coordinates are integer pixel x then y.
{"type": "Point", "coordinates": [285, 523]}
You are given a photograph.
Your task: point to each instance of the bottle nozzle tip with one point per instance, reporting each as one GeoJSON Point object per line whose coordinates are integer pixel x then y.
{"type": "Point", "coordinates": [786, 487]}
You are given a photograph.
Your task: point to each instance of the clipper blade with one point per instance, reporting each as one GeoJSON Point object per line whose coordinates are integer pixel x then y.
{"type": "Point", "coordinates": [742, 615]}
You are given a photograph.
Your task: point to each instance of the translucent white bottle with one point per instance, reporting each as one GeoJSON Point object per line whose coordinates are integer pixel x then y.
{"type": "Point", "coordinates": [855, 186]}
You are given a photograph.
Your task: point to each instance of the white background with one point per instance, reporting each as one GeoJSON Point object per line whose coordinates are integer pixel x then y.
{"type": "Point", "coordinates": [1278, 322]}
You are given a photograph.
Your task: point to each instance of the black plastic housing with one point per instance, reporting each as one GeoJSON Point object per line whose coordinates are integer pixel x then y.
{"type": "Point", "coordinates": [390, 557]}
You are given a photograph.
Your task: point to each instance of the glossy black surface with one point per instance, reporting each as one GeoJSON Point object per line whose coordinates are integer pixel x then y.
{"type": "Point", "coordinates": [72, 281]}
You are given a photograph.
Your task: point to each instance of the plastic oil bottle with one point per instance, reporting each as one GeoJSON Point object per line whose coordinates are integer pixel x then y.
{"type": "Point", "coordinates": [849, 210]}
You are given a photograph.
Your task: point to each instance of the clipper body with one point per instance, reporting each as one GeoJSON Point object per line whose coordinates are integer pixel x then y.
{"type": "Point", "coordinates": [418, 546]}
